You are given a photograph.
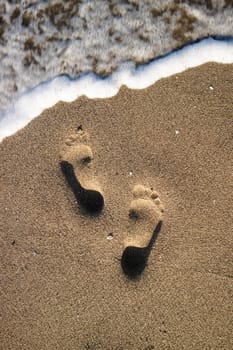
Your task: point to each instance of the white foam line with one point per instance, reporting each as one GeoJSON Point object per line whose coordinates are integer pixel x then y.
{"type": "Point", "coordinates": [45, 95]}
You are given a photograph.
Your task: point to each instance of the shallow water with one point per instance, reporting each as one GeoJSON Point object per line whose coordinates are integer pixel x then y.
{"type": "Point", "coordinates": [40, 40]}
{"type": "Point", "coordinates": [63, 88]}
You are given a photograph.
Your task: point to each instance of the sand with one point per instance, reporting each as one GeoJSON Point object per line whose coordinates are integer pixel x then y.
{"type": "Point", "coordinates": [62, 285]}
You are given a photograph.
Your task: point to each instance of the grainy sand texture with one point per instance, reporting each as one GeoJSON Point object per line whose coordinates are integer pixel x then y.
{"type": "Point", "coordinates": [163, 153]}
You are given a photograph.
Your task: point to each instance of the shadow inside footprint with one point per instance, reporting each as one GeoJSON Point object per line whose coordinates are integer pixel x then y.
{"type": "Point", "coordinates": [92, 201]}
{"type": "Point", "coordinates": [134, 259]}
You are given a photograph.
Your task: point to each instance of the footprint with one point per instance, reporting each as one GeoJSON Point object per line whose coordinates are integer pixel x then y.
{"type": "Point", "coordinates": [145, 214]}
{"type": "Point", "coordinates": [76, 157]}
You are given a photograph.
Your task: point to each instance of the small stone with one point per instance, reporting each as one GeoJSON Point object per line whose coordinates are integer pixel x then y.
{"type": "Point", "coordinates": [110, 236]}
{"type": "Point", "coordinates": [154, 195]}
{"type": "Point", "coordinates": [211, 87]}
{"type": "Point", "coordinates": [35, 252]}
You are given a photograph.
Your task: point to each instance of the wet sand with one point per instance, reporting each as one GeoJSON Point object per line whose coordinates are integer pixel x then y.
{"type": "Point", "coordinates": [62, 285]}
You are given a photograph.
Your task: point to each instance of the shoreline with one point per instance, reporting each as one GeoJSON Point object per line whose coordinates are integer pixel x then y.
{"type": "Point", "coordinates": [62, 88]}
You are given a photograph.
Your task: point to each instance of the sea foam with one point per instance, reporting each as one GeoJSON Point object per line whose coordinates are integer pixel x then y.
{"type": "Point", "coordinates": [45, 95]}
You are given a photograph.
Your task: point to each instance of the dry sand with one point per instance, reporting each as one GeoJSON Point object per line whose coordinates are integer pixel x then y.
{"type": "Point", "coordinates": [62, 286]}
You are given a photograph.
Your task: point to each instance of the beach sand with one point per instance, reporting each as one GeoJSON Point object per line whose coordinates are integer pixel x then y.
{"type": "Point", "coordinates": [62, 285]}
